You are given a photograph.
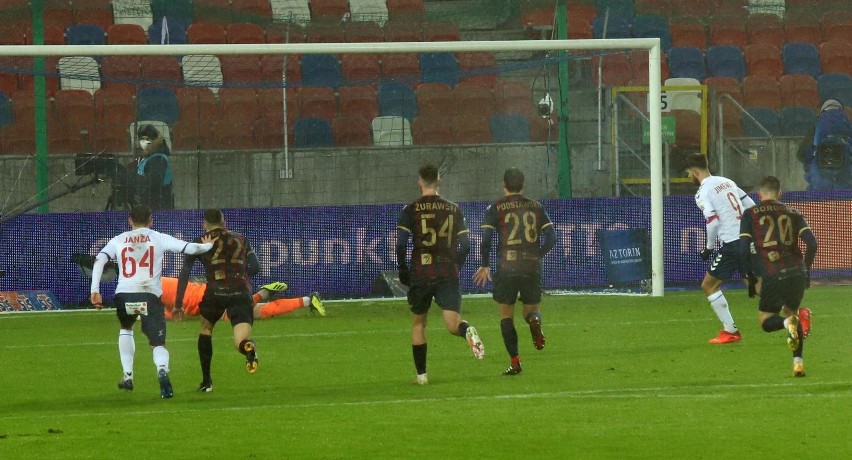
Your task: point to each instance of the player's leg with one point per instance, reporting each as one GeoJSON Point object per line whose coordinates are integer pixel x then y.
{"type": "Point", "coordinates": [280, 307]}
{"type": "Point", "coordinates": [530, 290]}
{"type": "Point", "coordinates": [154, 327]}
{"type": "Point", "coordinates": [126, 344]}
{"type": "Point", "coordinates": [419, 301]}
{"type": "Point", "coordinates": [505, 294]}
{"type": "Point", "coordinates": [205, 353]}
{"type": "Point", "coordinates": [722, 267]}
{"type": "Point", "coordinates": [794, 290]}
{"type": "Point", "coordinates": [448, 297]}
{"type": "Point", "coordinates": [242, 319]}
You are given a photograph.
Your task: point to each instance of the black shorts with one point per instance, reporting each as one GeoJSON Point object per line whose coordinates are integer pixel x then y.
{"type": "Point", "coordinates": [726, 262]}
{"type": "Point", "coordinates": [508, 287]}
{"type": "Point", "coordinates": [239, 306]}
{"type": "Point", "coordinates": [780, 292]}
{"type": "Point", "coordinates": [445, 292]}
{"type": "Point", "coordinates": [153, 324]}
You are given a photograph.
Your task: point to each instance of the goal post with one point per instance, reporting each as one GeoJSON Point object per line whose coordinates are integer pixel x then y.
{"type": "Point", "coordinates": [651, 45]}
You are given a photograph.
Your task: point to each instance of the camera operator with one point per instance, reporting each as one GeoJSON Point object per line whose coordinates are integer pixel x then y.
{"type": "Point", "coordinates": [153, 179]}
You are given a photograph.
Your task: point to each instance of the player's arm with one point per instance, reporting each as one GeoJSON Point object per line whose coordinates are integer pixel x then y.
{"type": "Point", "coordinates": [711, 221]}
{"type": "Point", "coordinates": [548, 234]}
{"type": "Point", "coordinates": [745, 199]}
{"type": "Point", "coordinates": [403, 233]}
{"type": "Point", "coordinates": [463, 247]}
{"type": "Point", "coordinates": [97, 271]}
{"type": "Point", "coordinates": [183, 280]}
{"type": "Point", "coordinates": [489, 223]}
{"type": "Point", "coordinates": [252, 262]}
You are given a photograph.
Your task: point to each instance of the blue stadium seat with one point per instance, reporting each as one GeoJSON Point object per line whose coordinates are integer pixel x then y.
{"type": "Point", "coordinates": [321, 70]}
{"type": "Point", "coordinates": [766, 117]}
{"type": "Point", "coordinates": [157, 104]}
{"type": "Point", "coordinates": [439, 68]}
{"type": "Point", "coordinates": [653, 25]}
{"type": "Point", "coordinates": [686, 62]}
{"type": "Point", "coordinates": [313, 132]}
{"type": "Point", "coordinates": [176, 35]}
{"type": "Point", "coordinates": [797, 121]}
{"type": "Point", "coordinates": [85, 34]}
{"type": "Point", "coordinates": [510, 128]}
{"type": "Point", "coordinates": [835, 86]}
{"type": "Point", "coordinates": [180, 10]}
{"type": "Point", "coordinates": [397, 100]}
{"type": "Point", "coordinates": [6, 117]}
{"type": "Point", "coordinates": [625, 8]}
{"type": "Point", "coordinates": [801, 59]}
{"type": "Point", "coordinates": [616, 27]}
{"type": "Point", "coordinates": [725, 61]}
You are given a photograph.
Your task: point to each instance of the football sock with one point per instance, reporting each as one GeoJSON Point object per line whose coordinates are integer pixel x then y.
{"type": "Point", "coordinates": [773, 323]}
{"type": "Point", "coordinates": [516, 360]}
{"type": "Point", "coordinates": [463, 328]}
{"type": "Point", "coordinates": [419, 352]}
{"type": "Point", "coordinates": [242, 346]}
{"type": "Point", "coordinates": [257, 297]}
{"type": "Point", "coordinates": [720, 307]}
{"type": "Point", "coordinates": [126, 350]}
{"type": "Point", "coordinates": [510, 336]}
{"type": "Point", "coordinates": [282, 306]}
{"type": "Point", "coordinates": [161, 358]}
{"type": "Point", "coordinates": [205, 355]}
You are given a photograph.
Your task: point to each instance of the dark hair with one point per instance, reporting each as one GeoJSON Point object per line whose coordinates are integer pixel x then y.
{"type": "Point", "coordinates": [148, 131]}
{"type": "Point", "coordinates": [429, 174]}
{"type": "Point", "coordinates": [140, 214]}
{"type": "Point", "coordinates": [695, 160]}
{"type": "Point", "coordinates": [214, 217]}
{"type": "Point", "coordinates": [770, 184]}
{"type": "Point", "coordinates": [513, 179]}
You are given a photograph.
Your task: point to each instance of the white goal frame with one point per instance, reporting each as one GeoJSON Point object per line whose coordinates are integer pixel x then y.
{"type": "Point", "coordinates": [652, 45]}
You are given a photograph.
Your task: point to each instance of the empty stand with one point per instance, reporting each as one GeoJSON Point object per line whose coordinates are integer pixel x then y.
{"type": "Point", "coordinates": [765, 28]}
{"type": "Point", "coordinates": [471, 129]}
{"type": "Point", "coordinates": [837, 25]}
{"type": "Point", "coordinates": [352, 131]}
{"type": "Point", "coordinates": [358, 101]}
{"type": "Point", "coordinates": [763, 92]}
{"type": "Point", "coordinates": [251, 11]}
{"type": "Point", "coordinates": [728, 31]}
{"type": "Point", "coordinates": [245, 33]}
{"type": "Point", "coordinates": [802, 31]}
{"type": "Point", "coordinates": [391, 131]}
{"type": "Point", "coordinates": [272, 68]}
{"type": "Point", "coordinates": [439, 68]}
{"type": "Point", "coordinates": [85, 34]}
{"type": "Point", "coordinates": [797, 121]}
{"type": "Point", "coordinates": [285, 33]}
{"type": "Point", "coordinates": [440, 31]}
{"type": "Point", "coordinates": [216, 11]}
{"type": "Point", "coordinates": [241, 70]}
{"type": "Point", "coordinates": [434, 100]}
{"type": "Point", "coordinates": [100, 18]}
{"type": "Point", "coordinates": [172, 10]}
{"type": "Point", "coordinates": [318, 102]}
{"type": "Point", "coordinates": [579, 28]}
{"type": "Point", "coordinates": [231, 135]}
{"type": "Point", "coordinates": [688, 128]}
{"type": "Point", "coordinates": [431, 130]}
{"type": "Point", "coordinates": [801, 58]}
{"type": "Point", "coordinates": [686, 62]}
{"type": "Point", "coordinates": [683, 99]}
{"type": "Point", "coordinates": [764, 60]}
{"type": "Point", "coordinates": [321, 70]}
{"type": "Point", "coordinates": [514, 98]}
{"type": "Point", "coordinates": [313, 132]}
{"type": "Point", "coordinates": [202, 70]}
{"type": "Point", "coordinates": [238, 104]}
{"type": "Point", "coordinates": [836, 56]}
{"type": "Point", "coordinates": [360, 68]}
{"type": "Point", "coordinates": [510, 128]}
{"type": "Point", "coordinates": [639, 64]}
{"type": "Point", "coordinates": [625, 8]}
{"type": "Point", "coordinates": [196, 106]}
{"type": "Point", "coordinates": [401, 66]}
{"type": "Point", "coordinates": [761, 122]}
{"type": "Point", "coordinates": [725, 61]}
{"type": "Point", "coordinates": [160, 70]}
{"type": "Point", "coordinates": [174, 33]}
{"type": "Point", "coordinates": [206, 33]}
{"type": "Point", "coordinates": [835, 86]}
{"type": "Point", "coordinates": [126, 34]}
{"type": "Point", "coordinates": [74, 111]}
{"type": "Point", "coordinates": [477, 68]}
{"type": "Point", "coordinates": [157, 104]}
{"type": "Point", "coordinates": [616, 69]}
{"type": "Point", "coordinates": [397, 100]}
{"type": "Point", "coordinates": [61, 17]}
{"type": "Point", "coordinates": [329, 10]}
{"type": "Point", "coordinates": [799, 91]}
{"type": "Point", "coordinates": [403, 31]}
{"type": "Point", "coordinates": [726, 86]}
{"type": "Point", "coordinates": [123, 72]}
{"type": "Point", "coordinates": [616, 26]}
{"type": "Point", "coordinates": [364, 32]}
{"type": "Point", "coordinates": [653, 26]}
{"type": "Point", "coordinates": [688, 32]}
{"type": "Point", "coordinates": [324, 32]}
{"type": "Point", "coordinates": [406, 9]}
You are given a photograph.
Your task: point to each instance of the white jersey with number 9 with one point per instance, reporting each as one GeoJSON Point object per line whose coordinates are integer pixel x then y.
{"type": "Point", "coordinates": [722, 202]}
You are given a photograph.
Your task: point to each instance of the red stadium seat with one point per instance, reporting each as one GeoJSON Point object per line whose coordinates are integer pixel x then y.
{"type": "Point", "coordinates": [639, 63]}
{"type": "Point", "coordinates": [206, 32]}
{"type": "Point", "coordinates": [761, 92]}
{"type": "Point", "coordinates": [471, 129]}
{"type": "Point", "coordinates": [233, 134]}
{"type": "Point", "coordinates": [804, 29]}
{"type": "Point", "coordinates": [317, 102]}
{"type": "Point", "coordinates": [212, 11]}
{"type": "Point", "coordinates": [352, 131]}
{"type": "Point", "coordinates": [400, 31]}
{"type": "Point", "coordinates": [255, 11]}
{"type": "Point", "coordinates": [661, 7]}
{"type": "Point", "coordinates": [514, 97]}
{"type": "Point", "coordinates": [837, 25]}
{"type": "Point", "coordinates": [799, 91]}
{"type": "Point", "coordinates": [431, 130]}
{"type": "Point", "coordinates": [328, 10]}
{"type": "Point", "coordinates": [765, 28]}
{"type": "Point", "coordinates": [114, 107]}
{"type": "Point", "coordinates": [245, 33]}
{"type": "Point", "coordinates": [441, 31]}
{"type": "Point", "coordinates": [360, 67]}
{"type": "Point", "coordinates": [112, 138]}
{"type": "Point", "coordinates": [728, 31]}
{"type": "Point", "coordinates": [406, 9]}
{"type": "Point", "coordinates": [74, 111]}
{"type": "Point", "coordinates": [579, 28]}
{"type": "Point", "coordinates": [161, 70]}
{"type": "Point", "coordinates": [358, 101]}
{"type": "Point", "coordinates": [15, 34]}
{"type": "Point", "coordinates": [690, 33]}
{"type": "Point", "coordinates": [320, 32]}
{"type": "Point", "coordinates": [272, 67]}
{"type": "Point", "coordinates": [19, 137]}
{"type": "Point", "coordinates": [473, 100]}
{"type": "Point", "coordinates": [241, 69]}
{"type": "Point", "coordinates": [196, 105]}
{"type": "Point", "coordinates": [285, 33]}
{"type": "Point", "coordinates": [238, 104]}
{"type": "Point", "coordinates": [401, 66]}
{"type": "Point", "coordinates": [8, 82]}
{"type": "Point", "coordinates": [764, 60]}
{"type": "Point", "coordinates": [688, 128]}
{"type": "Point", "coordinates": [615, 68]}
{"type": "Point", "coordinates": [26, 80]}
{"type": "Point", "coordinates": [692, 9]}
{"type": "Point", "coordinates": [58, 17]}
{"type": "Point", "coordinates": [121, 72]}
{"type": "Point", "coordinates": [478, 68]}
{"type": "Point", "coordinates": [535, 17]}
{"type": "Point", "coordinates": [836, 56]}
{"type": "Point", "coordinates": [720, 86]}
{"type": "Point", "coordinates": [126, 34]}
{"type": "Point", "coordinates": [192, 135]}
{"type": "Point", "coordinates": [102, 18]}
{"type": "Point", "coordinates": [364, 32]}
{"type": "Point", "coordinates": [435, 100]}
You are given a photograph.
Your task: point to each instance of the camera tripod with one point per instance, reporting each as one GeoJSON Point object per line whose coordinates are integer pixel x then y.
{"type": "Point", "coordinates": [119, 199]}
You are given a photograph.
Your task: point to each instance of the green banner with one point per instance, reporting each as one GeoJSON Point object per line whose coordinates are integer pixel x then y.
{"type": "Point", "coordinates": [669, 128]}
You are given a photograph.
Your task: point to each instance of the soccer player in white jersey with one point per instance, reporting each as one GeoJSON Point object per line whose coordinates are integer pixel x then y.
{"type": "Point", "coordinates": [139, 256]}
{"type": "Point", "coordinates": [722, 202]}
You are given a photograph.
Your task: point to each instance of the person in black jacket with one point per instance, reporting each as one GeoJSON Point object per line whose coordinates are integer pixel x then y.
{"type": "Point", "coordinates": [153, 181]}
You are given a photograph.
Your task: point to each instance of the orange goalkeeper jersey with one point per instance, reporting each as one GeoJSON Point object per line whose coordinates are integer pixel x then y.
{"type": "Point", "coordinates": [191, 298]}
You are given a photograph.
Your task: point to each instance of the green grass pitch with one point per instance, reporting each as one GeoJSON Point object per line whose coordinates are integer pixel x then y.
{"type": "Point", "coordinates": [621, 377]}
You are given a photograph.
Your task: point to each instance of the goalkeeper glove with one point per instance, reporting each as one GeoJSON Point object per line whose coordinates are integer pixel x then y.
{"type": "Point", "coordinates": [705, 254]}
{"type": "Point", "coordinates": [404, 276]}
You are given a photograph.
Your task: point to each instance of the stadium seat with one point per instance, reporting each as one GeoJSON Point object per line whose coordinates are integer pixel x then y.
{"type": "Point", "coordinates": [241, 70]}
{"type": "Point", "coordinates": [434, 100]}
{"type": "Point", "coordinates": [175, 33]}
{"type": "Point", "coordinates": [212, 11]}
{"type": "Point", "coordinates": [172, 10]}
{"type": "Point", "coordinates": [321, 70]}
{"type": "Point", "coordinates": [837, 25]}
{"type": "Point", "coordinates": [391, 131]}
{"type": "Point", "coordinates": [102, 5]}
{"type": "Point", "coordinates": [835, 86]}
{"type": "Point", "coordinates": [403, 31]}
{"type": "Point", "coordinates": [719, 88]}
{"type": "Point", "coordinates": [616, 27]}
{"type": "Point", "coordinates": [797, 121]}
{"type": "Point", "coordinates": [836, 56]}
{"type": "Point", "coordinates": [688, 32]}
{"type": "Point", "coordinates": [202, 70]}
{"type": "Point", "coordinates": [53, 35]}
{"type": "Point", "coordinates": [271, 104]}
{"type": "Point", "coordinates": [285, 33]}
{"type": "Point", "coordinates": [440, 31]}
{"type": "Point", "coordinates": [397, 100]}
{"type": "Point", "coordinates": [406, 9]}
{"type": "Point", "coordinates": [725, 61]}
{"type": "Point", "coordinates": [371, 11]}
{"type": "Point", "coordinates": [653, 26]}
{"type": "Point", "coordinates": [324, 32]}
{"type": "Point", "coordinates": [272, 66]}
{"type": "Point", "coordinates": [439, 68]}
{"type": "Point", "coordinates": [313, 132]}
{"type": "Point", "coordinates": [653, 6]}
{"type": "Point", "coordinates": [112, 138]}
{"type": "Point", "coordinates": [85, 34]}
{"type": "Point", "coordinates": [431, 130]}
{"type": "Point", "coordinates": [616, 69]}
{"type": "Point", "coordinates": [579, 27]}
{"type": "Point", "coordinates": [352, 132]}
{"type": "Point", "coordinates": [196, 106]}
{"type": "Point", "coordinates": [126, 34]}
{"type": "Point", "coordinates": [537, 17]}
{"type": "Point", "coordinates": [364, 32]}
{"type": "Point", "coordinates": [58, 16]}
{"type": "Point", "coordinates": [19, 137]}
{"type": "Point", "coordinates": [6, 116]}
{"type": "Point", "coordinates": [765, 28]}
{"type": "Point", "coordinates": [471, 129]}
{"type": "Point", "coordinates": [23, 105]}
{"type": "Point", "coordinates": [802, 31]}
{"type": "Point", "coordinates": [329, 10]}
{"type": "Point", "coordinates": [79, 72]}
{"type": "Point", "coordinates": [761, 121]}
{"type": "Point", "coordinates": [763, 59]}
{"type": "Point", "coordinates": [477, 68]}
{"type": "Point", "coordinates": [132, 12]}
{"type": "Point", "coordinates": [585, 11]}
{"type": "Point", "coordinates": [15, 34]}
{"type": "Point", "coordinates": [683, 99]}
{"type": "Point", "coordinates": [238, 104]}
{"type": "Point", "coordinates": [74, 113]}
{"type": "Point", "coordinates": [206, 33]}
{"type": "Point", "coordinates": [358, 101]}
{"type": "Point", "coordinates": [157, 104]}
{"type": "Point", "coordinates": [245, 33]}
{"type": "Point", "coordinates": [251, 11]}
{"type": "Point", "coordinates": [473, 100]}
{"type": "Point", "coordinates": [799, 91]}
{"type": "Point", "coordinates": [686, 62]}
{"type": "Point", "coordinates": [360, 68]}
{"type": "Point", "coordinates": [233, 135]}
{"type": "Point", "coordinates": [639, 64]}
{"type": "Point", "coordinates": [763, 92]}
{"type": "Point", "coordinates": [100, 18]}
{"type": "Point", "coordinates": [160, 70]}
{"type": "Point", "coordinates": [624, 8]}
{"type": "Point", "coordinates": [269, 132]}
{"type": "Point", "coordinates": [290, 11]}
{"type": "Point", "coordinates": [801, 58]}
{"type": "Point", "coordinates": [401, 66]}
{"type": "Point", "coordinates": [688, 128]}
{"type": "Point", "coordinates": [693, 9]}
{"type": "Point", "coordinates": [8, 77]}
{"type": "Point", "coordinates": [510, 128]}
{"type": "Point", "coordinates": [514, 97]}
{"type": "Point", "coordinates": [121, 71]}
{"type": "Point", "coordinates": [190, 135]}
{"type": "Point", "coordinates": [26, 80]}
{"type": "Point", "coordinates": [318, 102]}
{"type": "Point", "coordinates": [728, 31]}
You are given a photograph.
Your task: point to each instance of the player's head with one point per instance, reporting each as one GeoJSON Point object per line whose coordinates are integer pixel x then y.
{"type": "Point", "coordinates": [429, 177]}
{"type": "Point", "coordinates": [695, 166]}
{"type": "Point", "coordinates": [769, 188]}
{"type": "Point", "coordinates": [140, 216]}
{"type": "Point", "coordinates": [513, 180]}
{"type": "Point", "coordinates": [213, 218]}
